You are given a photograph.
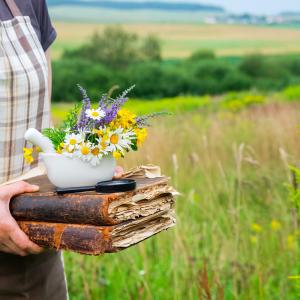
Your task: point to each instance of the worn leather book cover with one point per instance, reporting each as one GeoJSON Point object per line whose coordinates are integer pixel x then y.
{"type": "Point", "coordinates": [90, 208]}
{"type": "Point", "coordinates": [96, 240]}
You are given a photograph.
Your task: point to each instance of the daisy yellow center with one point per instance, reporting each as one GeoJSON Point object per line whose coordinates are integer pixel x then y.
{"type": "Point", "coordinates": [95, 114]}
{"type": "Point", "coordinates": [73, 142]}
{"type": "Point", "coordinates": [85, 150]}
{"type": "Point", "coordinates": [69, 150]}
{"type": "Point", "coordinates": [114, 139]}
{"type": "Point", "coordinates": [95, 151]}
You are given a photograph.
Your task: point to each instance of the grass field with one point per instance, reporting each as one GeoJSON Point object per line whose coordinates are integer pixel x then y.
{"type": "Point", "coordinates": [237, 232]}
{"type": "Point", "coordinates": [179, 40]}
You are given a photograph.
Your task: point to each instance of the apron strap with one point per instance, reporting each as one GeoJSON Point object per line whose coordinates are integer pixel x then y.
{"type": "Point", "coordinates": [13, 8]}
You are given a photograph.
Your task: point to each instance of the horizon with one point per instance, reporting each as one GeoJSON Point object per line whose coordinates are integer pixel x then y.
{"type": "Point", "coordinates": [267, 7]}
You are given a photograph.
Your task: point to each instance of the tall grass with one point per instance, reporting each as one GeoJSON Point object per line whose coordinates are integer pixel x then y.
{"type": "Point", "coordinates": [236, 235]}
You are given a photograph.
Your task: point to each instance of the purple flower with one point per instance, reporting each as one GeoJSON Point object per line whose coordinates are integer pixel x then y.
{"type": "Point", "coordinates": [108, 105]}
{"type": "Point", "coordinates": [86, 104]}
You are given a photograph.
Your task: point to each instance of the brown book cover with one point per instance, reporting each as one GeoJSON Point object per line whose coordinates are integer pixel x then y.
{"type": "Point", "coordinates": [96, 240]}
{"type": "Point", "coordinates": [151, 196]}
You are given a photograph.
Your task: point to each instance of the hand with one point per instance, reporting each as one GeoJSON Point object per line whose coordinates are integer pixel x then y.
{"type": "Point", "coordinates": [12, 238]}
{"type": "Point", "coordinates": [119, 171]}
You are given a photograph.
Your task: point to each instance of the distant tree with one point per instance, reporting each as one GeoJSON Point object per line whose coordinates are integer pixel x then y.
{"type": "Point", "coordinates": [253, 65]}
{"type": "Point", "coordinates": [151, 48]}
{"type": "Point", "coordinates": [202, 54]}
{"type": "Point", "coordinates": [115, 48]}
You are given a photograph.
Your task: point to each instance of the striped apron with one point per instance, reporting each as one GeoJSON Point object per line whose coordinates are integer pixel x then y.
{"type": "Point", "coordinates": [24, 103]}
{"type": "Point", "coordinates": [24, 98]}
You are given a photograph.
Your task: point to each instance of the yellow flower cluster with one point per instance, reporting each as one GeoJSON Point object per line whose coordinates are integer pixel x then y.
{"type": "Point", "coordinates": [28, 155]}
{"type": "Point", "coordinates": [28, 152]}
{"type": "Point", "coordinates": [141, 134]}
{"type": "Point", "coordinates": [124, 119]}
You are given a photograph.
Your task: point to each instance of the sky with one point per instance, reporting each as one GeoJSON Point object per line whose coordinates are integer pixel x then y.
{"type": "Point", "coordinates": [250, 6]}
{"type": "Point", "coordinates": [257, 6]}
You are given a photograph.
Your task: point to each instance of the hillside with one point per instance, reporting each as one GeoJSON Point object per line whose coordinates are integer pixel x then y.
{"type": "Point", "coordinates": [132, 5]}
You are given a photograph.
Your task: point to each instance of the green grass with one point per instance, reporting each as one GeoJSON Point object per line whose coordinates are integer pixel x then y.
{"type": "Point", "coordinates": [172, 105]}
{"type": "Point", "coordinates": [231, 168]}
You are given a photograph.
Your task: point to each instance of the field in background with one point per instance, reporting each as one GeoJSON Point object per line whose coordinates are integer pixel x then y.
{"type": "Point", "coordinates": [236, 236]}
{"type": "Point", "coordinates": [120, 16]}
{"type": "Point", "coordinates": [180, 40]}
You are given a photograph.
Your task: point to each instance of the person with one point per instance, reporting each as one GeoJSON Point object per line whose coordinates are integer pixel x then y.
{"type": "Point", "coordinates": [26, 35]}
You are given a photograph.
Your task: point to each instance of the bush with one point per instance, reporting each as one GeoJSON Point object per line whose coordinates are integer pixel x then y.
{"type": "Point", "coordinates": [292, 93]}
{"type": "Point", "coordinates": [148, 78]}
{"type": "Point", "coordinates": [117, 48]}
{"type": "Point", "coordinates": [253, 65]}
{"type": "Point", "coordinates": [236, 81]}
{"type": "Point", "coordinates": [238, 101]}
{"type": "Point", "coordinates": [67, 73]}
{"type": "Point", "coordinates": [202, 54]}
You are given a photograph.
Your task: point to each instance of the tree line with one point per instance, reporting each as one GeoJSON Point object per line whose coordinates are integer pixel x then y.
{"type": "Point", "coordinates": [119, 58]}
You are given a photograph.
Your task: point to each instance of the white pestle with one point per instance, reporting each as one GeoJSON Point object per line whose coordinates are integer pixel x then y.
{"type": "Point", "coordinates": [36, 138]}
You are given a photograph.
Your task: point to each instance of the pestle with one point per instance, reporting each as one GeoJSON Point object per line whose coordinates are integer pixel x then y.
{"type": "Point", "coordinates": [36, 138]}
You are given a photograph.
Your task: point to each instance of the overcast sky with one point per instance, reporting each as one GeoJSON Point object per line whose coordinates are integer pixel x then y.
{"type": "Point", "coordinates": [257, 6]}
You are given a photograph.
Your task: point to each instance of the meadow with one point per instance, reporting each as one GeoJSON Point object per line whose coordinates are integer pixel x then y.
{"type": "Point", "coordinates": [180, 40]}
{"type": "Point", "coordinates": [237, 232]}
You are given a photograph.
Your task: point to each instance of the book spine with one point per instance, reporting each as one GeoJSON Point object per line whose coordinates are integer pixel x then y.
{"type": "Point", "coordinates": [91, 240]}
{"type": "Point", "coordinates": [71, 209]}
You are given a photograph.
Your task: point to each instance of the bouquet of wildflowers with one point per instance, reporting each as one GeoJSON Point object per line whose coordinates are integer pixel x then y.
{"type": "Point", "coordinates": [91, 133]}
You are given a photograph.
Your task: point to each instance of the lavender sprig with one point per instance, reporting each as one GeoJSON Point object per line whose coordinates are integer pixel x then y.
{"type": "Point", "coordinates": [143, 121]}
{"type": "Point", "coordinates": [86, 104]}
{"type": "Point", "coordinates": [111, 110]}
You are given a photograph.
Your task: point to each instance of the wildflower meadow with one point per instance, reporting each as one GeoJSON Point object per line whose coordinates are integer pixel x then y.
{"type": "Point", "coordinates": [237, 232]}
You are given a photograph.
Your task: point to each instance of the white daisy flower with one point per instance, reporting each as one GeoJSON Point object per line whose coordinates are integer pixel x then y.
{"type": "Point", "coordinates": [118, 140]}
{"type": "Point", "coordinates": [68, 151]}
{"type": "Point", "coordinates": [96, 155]}
{"type": "Point", "coordinates": [73, 140]}
{"type": "Point", "coordinates": [84, 151]}
{"type": "Point", "coordinates": [95, 114]}
{"type": "Point", "coordinates": [103, 140]}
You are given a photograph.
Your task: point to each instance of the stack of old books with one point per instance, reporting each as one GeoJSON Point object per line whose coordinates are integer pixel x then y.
{"type": "Point", "coordinates": [91, 223]}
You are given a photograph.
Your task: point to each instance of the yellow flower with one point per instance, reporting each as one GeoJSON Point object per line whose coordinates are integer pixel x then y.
{"type": "Point", "coordinates": [28, 151]}
{"type": "Point", "coordinates": [124, 119]}
{"type": "Point", "coordinates": [99, 132]}
{"type": "Point", "coordinates": [38, 149]}
{"type": "Point", "coordinates": [141, 134]}
{"type": "Point", "coordinates": [29, 159]}
{"type": "Point", "coordinates": [256, 228]}
{"type": "Point", "coordinates": [117, 155]}
{"type": "Point", "coordinates": [275, 225]}
{"type": "Point", "coordinates": [291, 242]}
{"type": "Point", "coordinates": [59, 150]}
{"type": "Point", "coordinates": [253, 239]}
{"type": "Point", "coordinates": [28, 155]}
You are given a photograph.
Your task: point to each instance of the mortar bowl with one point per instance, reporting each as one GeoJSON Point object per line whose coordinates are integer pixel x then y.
{"type": "Point", "coordinates": [65, 172]}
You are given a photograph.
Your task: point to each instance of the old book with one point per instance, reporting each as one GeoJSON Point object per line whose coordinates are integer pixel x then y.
{"type": "Point", "coordinates": [151, 196]}
{"type": "Point", "coordinates": [95, 240]}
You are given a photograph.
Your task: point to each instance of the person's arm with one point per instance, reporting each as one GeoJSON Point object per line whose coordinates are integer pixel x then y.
{"type": "Point", "coordinates": [12, 239]}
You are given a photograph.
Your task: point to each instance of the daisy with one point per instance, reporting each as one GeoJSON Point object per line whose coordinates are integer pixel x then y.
{"type": "Point", "coordinates": [95, 114]}
{"type": "Point", "coordinates": [96, 155]}
{"type": "Point", "coordinates": [84, 151]}
{"type": "Point", "coordinates": [68, 151]}
{"type": "Point", "coordinates": [73, 140]}
{"type": "Point", "coordinates": [118, 140]}
{"type": "Point", "coordinates": [103, 140]}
